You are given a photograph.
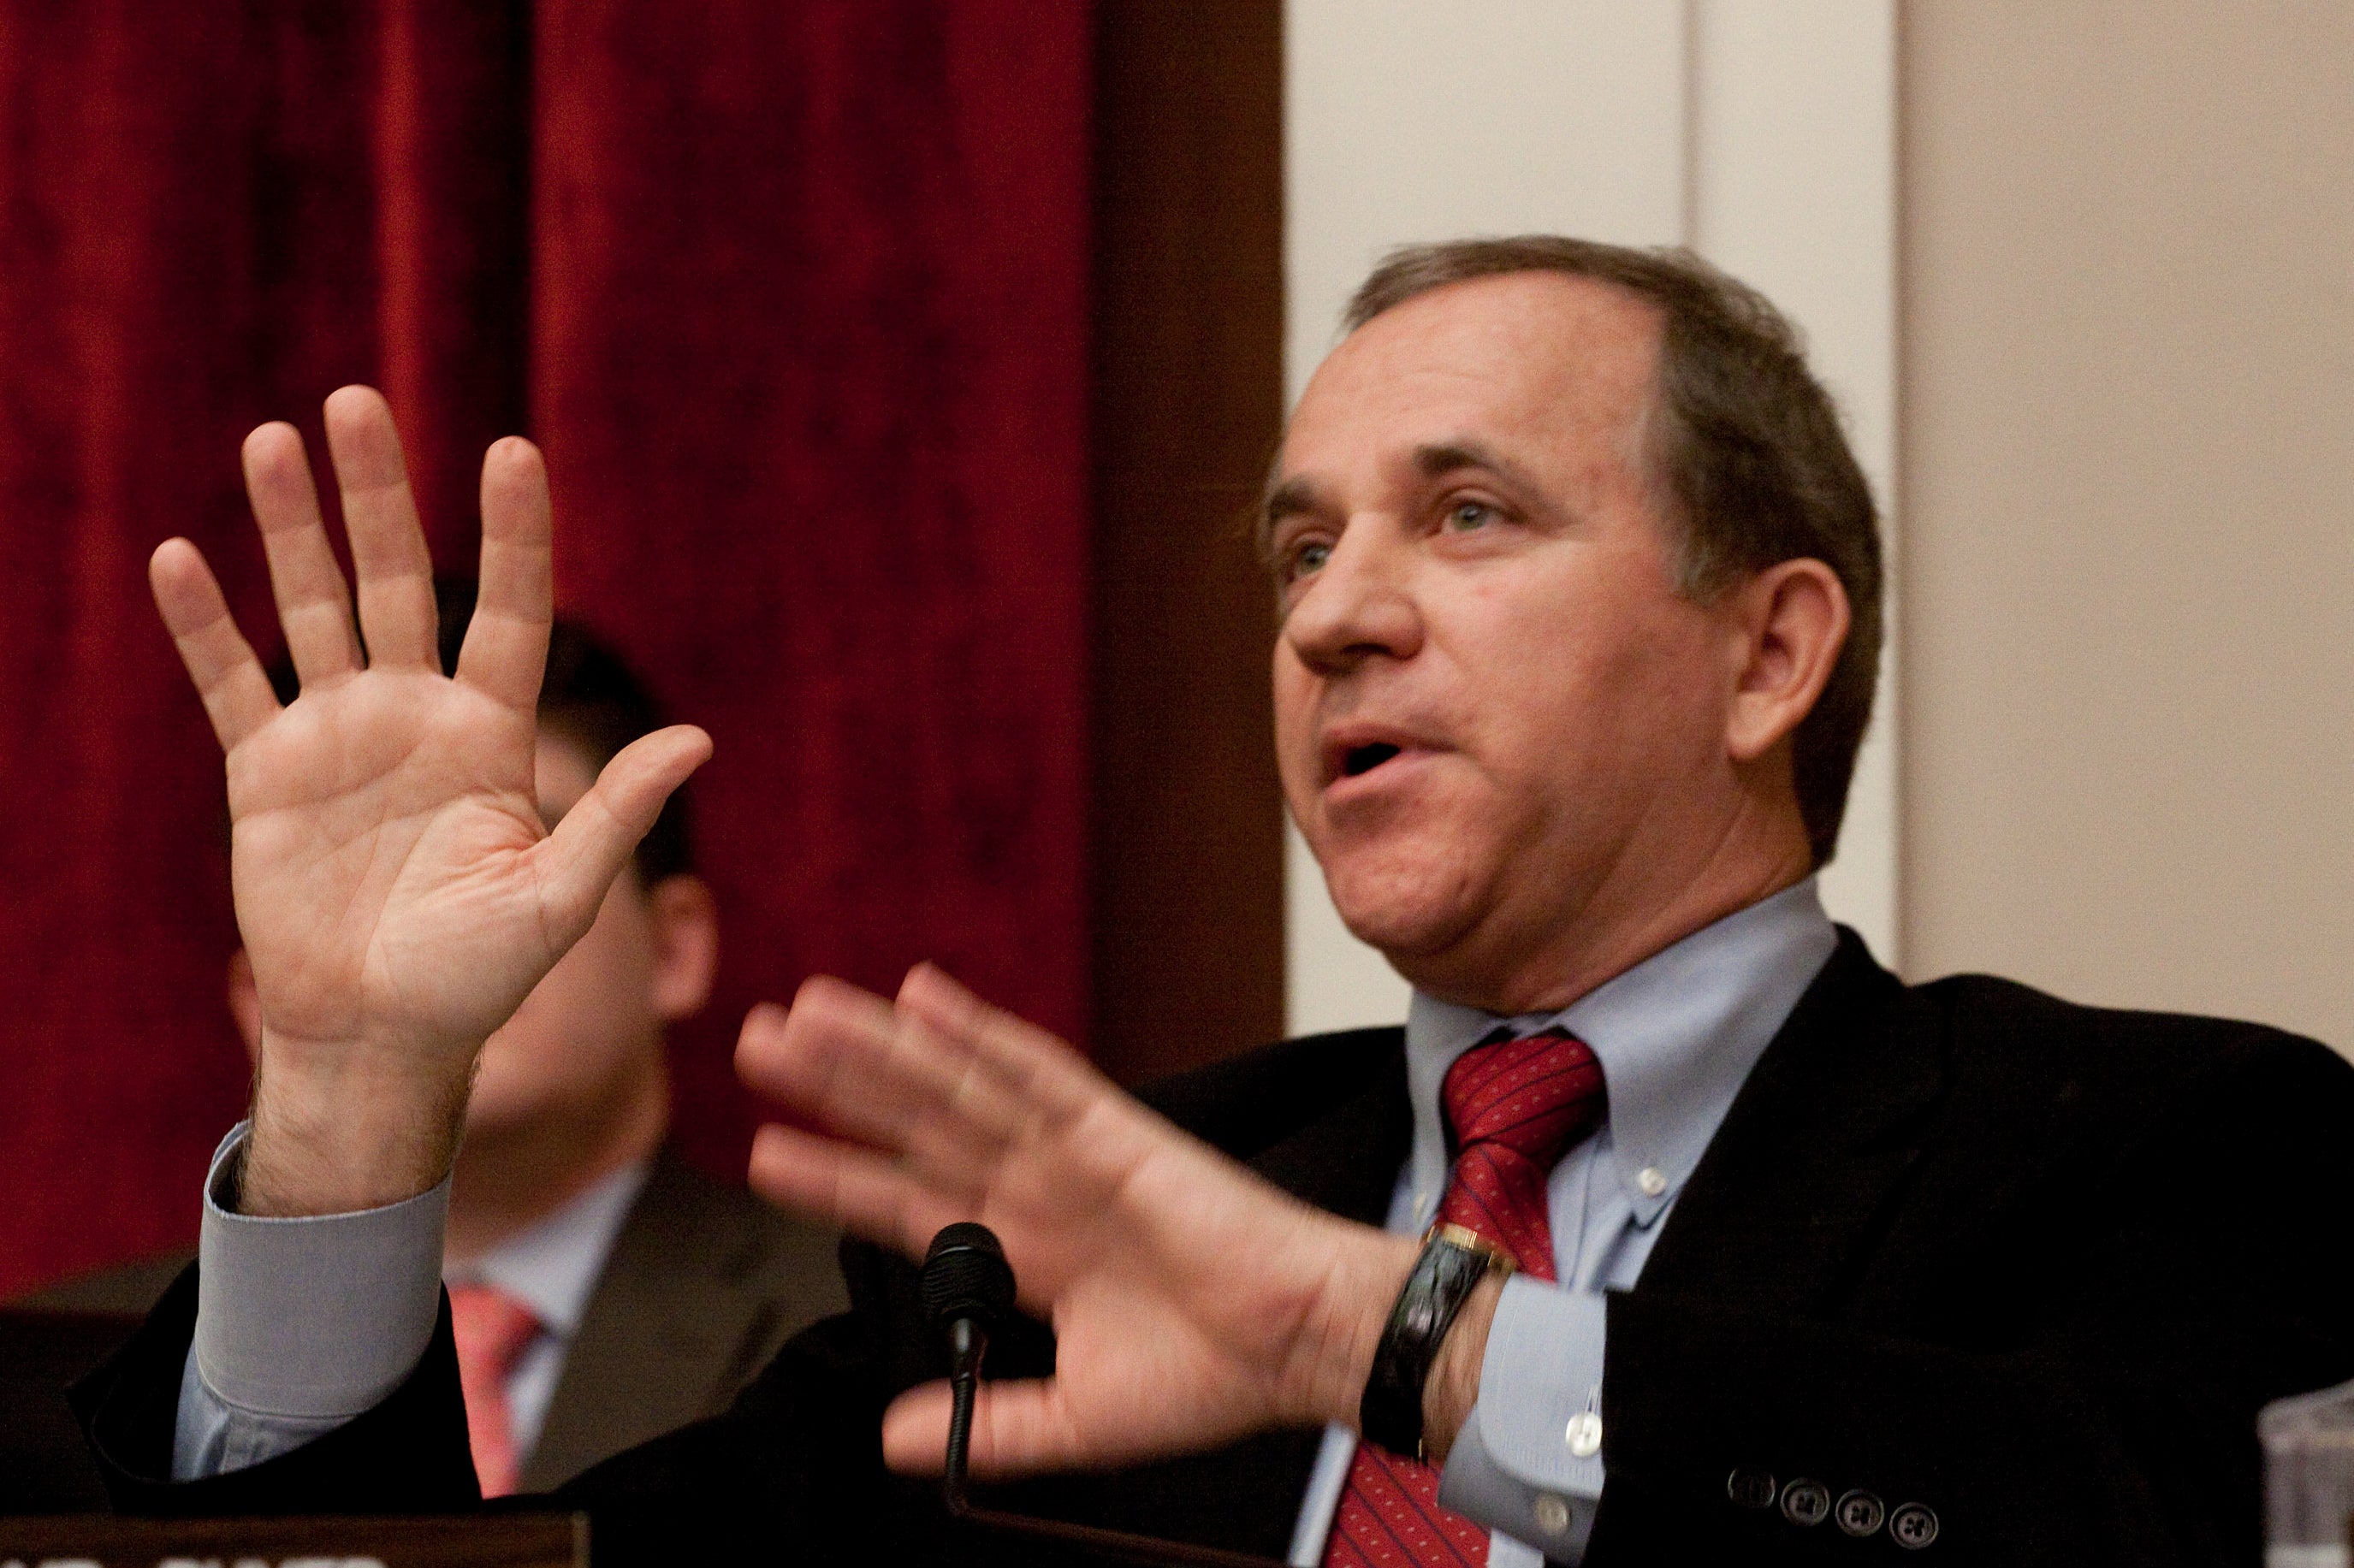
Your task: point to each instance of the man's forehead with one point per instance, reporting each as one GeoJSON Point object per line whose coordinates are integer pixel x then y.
{"type": "Point", "coordinates": [1491, 365]}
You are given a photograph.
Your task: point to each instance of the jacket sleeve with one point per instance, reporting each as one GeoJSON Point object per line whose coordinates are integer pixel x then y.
{"type": "Point", "coordinates": [408, 1455]}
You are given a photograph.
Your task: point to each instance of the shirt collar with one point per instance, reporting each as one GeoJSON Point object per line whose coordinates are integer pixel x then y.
{"type": "Point", "coordinates": [552, 1265]}
{"type": "Point", "coordinates": [1676, 1035]}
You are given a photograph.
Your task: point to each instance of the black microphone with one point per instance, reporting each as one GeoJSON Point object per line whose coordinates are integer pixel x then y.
{"type": "Point", "coordinates": [967, 1289]}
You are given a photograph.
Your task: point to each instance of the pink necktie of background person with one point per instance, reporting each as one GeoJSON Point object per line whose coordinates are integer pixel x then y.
{"type": "Point", "coordinates": [1515, 1107]}
{"type": "Point", "coordinates": [493, 1331]}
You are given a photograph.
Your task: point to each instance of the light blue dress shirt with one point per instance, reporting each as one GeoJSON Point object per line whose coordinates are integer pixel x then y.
{"type": "Point", "coordinates": [303, 1323]}
{"type": "Point", "coordinates": [1676, 1035]}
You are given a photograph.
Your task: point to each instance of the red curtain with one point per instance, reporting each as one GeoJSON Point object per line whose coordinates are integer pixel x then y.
{"type": "Point", "coordinates": [794, 297]}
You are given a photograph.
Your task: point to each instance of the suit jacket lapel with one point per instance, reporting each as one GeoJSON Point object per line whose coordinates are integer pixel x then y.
{"type": "Point", "coordinates": [1324, 1117]}
{"type": "Point", "coordinates": [1798, 1176]}
{"type": "Point", "coordinates": [1347, 1160]}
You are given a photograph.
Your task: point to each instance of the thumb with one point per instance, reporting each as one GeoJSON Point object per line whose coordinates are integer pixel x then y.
{"type": "Point", "coordinates": [594, 838]}
{"type": "Point", "coordinates": [1018, 1427]}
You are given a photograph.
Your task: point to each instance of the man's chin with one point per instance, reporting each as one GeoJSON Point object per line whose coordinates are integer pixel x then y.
{"type": "Point", "coordinates": [1406, 914]}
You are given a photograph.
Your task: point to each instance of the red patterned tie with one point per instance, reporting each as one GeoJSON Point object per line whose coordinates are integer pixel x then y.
{"type": "Point", "coordinates": [1515, 1106]}
{"type": "Point", "coordinates": [493, 1330]}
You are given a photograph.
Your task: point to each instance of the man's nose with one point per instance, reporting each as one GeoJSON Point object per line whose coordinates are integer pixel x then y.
{"type": "Point", "coordinates": [1359, 605]}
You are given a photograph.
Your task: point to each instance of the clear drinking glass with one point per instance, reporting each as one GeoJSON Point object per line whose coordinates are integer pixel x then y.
{"type": "Point", "coordinates": [2308, 1478]}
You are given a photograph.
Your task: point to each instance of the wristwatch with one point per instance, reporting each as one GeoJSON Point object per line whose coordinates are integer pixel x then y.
{"type": "Point", "coordinates": [1453, 1262]}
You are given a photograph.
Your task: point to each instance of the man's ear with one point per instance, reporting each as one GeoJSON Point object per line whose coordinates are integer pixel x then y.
{"type": "Point", "coordinates": [1791, 621]}
{"type": "Point", "coordinates": [245, 1003]}
{"type": "Point", "coordinates": [686, 920]}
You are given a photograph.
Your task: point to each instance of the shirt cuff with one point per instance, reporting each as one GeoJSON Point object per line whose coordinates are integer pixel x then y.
{"type": "Point", "coordinates": [316, 1318]}
{"type": "Point", "coordinates": [1516, 1467]}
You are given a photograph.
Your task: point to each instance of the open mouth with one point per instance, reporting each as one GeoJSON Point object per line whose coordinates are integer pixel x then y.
{"type": "Point", "coordinates": [1350, 751]}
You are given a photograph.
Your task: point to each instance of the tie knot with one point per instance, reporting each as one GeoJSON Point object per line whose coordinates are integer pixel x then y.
{"type": "Point", "coordinates": [1535, 1095]}
{"type": "Point", "coordinates": [492, 1327]}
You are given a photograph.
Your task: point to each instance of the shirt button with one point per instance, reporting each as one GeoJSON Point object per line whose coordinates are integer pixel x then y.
{"type": "Point", "coordinates": [1552, 1514]}
{"type": "Point", "coordinates": [1913, 1527]}
{"type": "Point", "coordinates": [1652, 1180]}
{"type": "Point", "coordinates": [1751, 1488]}
{"type": "Point", "coordinates": [1859, 1513]}
{"type": "Point", "coordinates": [1584, 1435]}
{"type": "Point", "coordinates": [1806, 1503]}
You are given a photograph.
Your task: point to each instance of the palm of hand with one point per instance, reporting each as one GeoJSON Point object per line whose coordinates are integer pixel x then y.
{"type": "Point", "coordinates": [383, 829]}
{"type": "Point", "coordinates": [397, 894]}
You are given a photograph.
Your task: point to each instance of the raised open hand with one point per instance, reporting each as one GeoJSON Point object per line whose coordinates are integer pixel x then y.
{"type": "Point", "coordinates": [1192, 1301]}
{"type": "Point", "coordinates": [395, 887]}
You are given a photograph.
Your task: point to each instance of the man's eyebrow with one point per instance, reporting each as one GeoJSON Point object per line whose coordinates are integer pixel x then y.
{"type": "Point", "coordinates": [1285, 498]}
{"type": "Point", "coordinates": [1436, 459]}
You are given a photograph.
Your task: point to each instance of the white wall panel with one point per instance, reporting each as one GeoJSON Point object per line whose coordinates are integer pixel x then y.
{"type": "Point", "coordinates": [1407, 121]}
{"type": "Point", "coordinates": [1793, 106]}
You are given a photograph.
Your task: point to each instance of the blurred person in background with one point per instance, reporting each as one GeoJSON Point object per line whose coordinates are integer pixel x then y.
{"type": "Point", "coordinates": [603, 1291]}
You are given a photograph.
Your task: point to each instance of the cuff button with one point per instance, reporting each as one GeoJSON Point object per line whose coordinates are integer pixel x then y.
{"type": "Point", "coordinates": [1913, 1527]}
{"type": "Point", "coordinates": [1859, 1513]}
{"type": "Point", "coordinates": [1806, 1503]}
{"type": "Point", "coordinates": [1552, 1514]}
{"type": "Point", "coordinates": [1750, 1489]}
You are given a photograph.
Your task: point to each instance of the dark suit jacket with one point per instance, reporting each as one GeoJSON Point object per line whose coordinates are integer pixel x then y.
{"type": "Point", "coordinates": [45, 1466]}
{"type": "Point", "coordinates": [704, 1283]}
{"type": "Point", "coordinates": [2032, 1265]}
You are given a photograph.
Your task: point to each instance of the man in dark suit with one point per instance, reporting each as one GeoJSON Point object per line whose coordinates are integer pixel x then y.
{"type": "Point", "coordinates": [1742, 1249]}
{"type": "Point", "coordinates": [642, 1294]}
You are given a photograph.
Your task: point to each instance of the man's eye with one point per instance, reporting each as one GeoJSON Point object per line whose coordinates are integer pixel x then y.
{"type": "Point", "coordinates": [1310, 557]}
{"type": "Point", "coordinates": [1466, 515]}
